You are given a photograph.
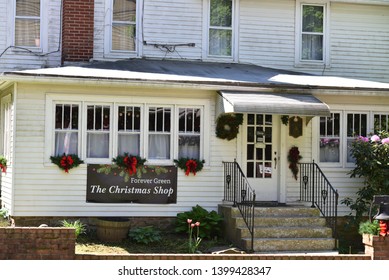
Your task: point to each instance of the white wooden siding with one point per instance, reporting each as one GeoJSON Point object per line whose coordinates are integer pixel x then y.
{"type": "Point", "coordinates": [42, 189]}
{"type": "Point", "coordinates": [16, 59]}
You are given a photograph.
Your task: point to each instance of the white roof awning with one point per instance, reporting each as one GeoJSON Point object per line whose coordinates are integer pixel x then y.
{"type": "Point", "coordinates": [271, 103]}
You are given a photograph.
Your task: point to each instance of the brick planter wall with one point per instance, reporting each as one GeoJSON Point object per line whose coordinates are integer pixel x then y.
{"type": "Point", "coordinates": [24, 243]}
{"type": "Point", "coordinates": [376, 246]}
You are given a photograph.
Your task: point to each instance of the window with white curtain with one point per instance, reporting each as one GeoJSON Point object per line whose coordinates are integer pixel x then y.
{"type": "Point", "coordinates": [330, 138]}
{"type": "Point", "coordinates": [129, 130]}
{"type": "Point", "coordinates": [66, 129]}
{"type": "Point", "coordinates": [189, 123]}
{"type": "Point", "coordinates": [220, 33]}
{"type": "Point", "coordinates": [356, 126]}
{"type": "Point", "coordinates": [312, 32]}
{"type": "Point", "coordinates": [98, 131]}
{"type": "Point", "coordinates": [123, 33]}
{"type": "Point", "coordinates": [160, 120]}
{"type": "Point", "coordinates": [28, 23]}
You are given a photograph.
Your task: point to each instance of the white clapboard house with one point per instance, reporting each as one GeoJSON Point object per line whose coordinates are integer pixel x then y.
{"type": "Point", "coordinates": [160, 79]}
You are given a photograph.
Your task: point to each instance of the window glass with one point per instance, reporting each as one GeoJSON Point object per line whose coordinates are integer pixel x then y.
{"type": "Point", "coordinates": [356, 126]}
{"type": "Point", "coordinates": [189, 120]}
{"type": "Point", "coordinates": [159, 133]}
{"type": "Point", "coordinates": [27, 23]}
{"type": "Point", "coordinates": [124, 25]}
{"type": "Point", "coordinates": [381, 123]}
{"type": "Point", "coordinates": [330, 138]}
{"type": "Point", "coordinates": [220, 28]}
{"type": "Point", "coordinates": [98, 130]}
{"type": "Point", "coordinates": [66, 129]}
{"type": "Point", "coordinates": [129, 120]}
{"type": "Point", "coordinates": [312, 32]}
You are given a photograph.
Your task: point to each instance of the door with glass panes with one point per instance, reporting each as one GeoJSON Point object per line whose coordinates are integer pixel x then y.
{"type": "Point", "coordinates": [260, 159]}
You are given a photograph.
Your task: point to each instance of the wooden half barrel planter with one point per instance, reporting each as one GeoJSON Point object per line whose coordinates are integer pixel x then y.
{"type": "Point", "coordinates": [112, 229]}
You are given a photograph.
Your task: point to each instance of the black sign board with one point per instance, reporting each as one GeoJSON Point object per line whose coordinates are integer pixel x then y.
{"type": "Point", "coordinates": [150, 184]}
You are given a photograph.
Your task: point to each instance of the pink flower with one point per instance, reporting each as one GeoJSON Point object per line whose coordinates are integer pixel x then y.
{"type": "Point", "coordinates": [363, 139]}
{"type": "Point", "coordinates": [375, 138]}
{"type": "Point", "coordinates": [192, 225]}
{"type": "Point", "coordinates": [385, 141]}
{"type": "Point", "coordinates": [188, 221]}
{"type": "Point", "coordinates": [197, 224]}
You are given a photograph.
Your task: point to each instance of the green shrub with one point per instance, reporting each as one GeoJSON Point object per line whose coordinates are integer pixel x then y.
{"type": "Point", "coordinates": [77, 225]}
{"type": "Point", "coordinates": [369, 227]}
{"type": "Point", "coordinates": [210, 222]}
{"type": "Point", "coordinates": [145, 235]}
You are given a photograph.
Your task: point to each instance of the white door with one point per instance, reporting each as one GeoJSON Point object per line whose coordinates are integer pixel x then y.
{"type": "Point", "coordinates": [260, 159]}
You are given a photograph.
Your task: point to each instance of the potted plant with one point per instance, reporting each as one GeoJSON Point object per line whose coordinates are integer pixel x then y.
{"type": "Point", "coordinates": [376, 246]}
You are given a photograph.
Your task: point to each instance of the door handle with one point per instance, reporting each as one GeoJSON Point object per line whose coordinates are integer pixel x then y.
{"type": "Point", "coordinates": [275, 160]}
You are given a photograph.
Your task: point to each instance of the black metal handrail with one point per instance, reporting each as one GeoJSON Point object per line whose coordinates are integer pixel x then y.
{"type": "Point", "coordinates": [238, 190]}
{"type": "Point", "coordinates": [316, 188]}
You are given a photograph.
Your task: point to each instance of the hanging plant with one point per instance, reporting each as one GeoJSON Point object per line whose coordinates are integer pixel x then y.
{"type": "Point", "coordinates": [3, 164]}
{"type": "Point", "coordinates": [294, 158]}
{"type": "Point", "coordinates": [129, 162]}
{"type": "Point", "coordinates": [285, 119]}
{"type": "Point", "coordinates": [66, 162]}
{"type": "Point", "coordinates": [227, 126]}
{"type": "Point", "coordinates": [190, 165]}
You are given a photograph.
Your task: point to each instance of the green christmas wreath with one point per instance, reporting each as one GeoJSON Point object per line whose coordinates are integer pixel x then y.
{"type": "Point", "coordinates": [190, 165]}
{"type": "Point", "coordinates": [227, 126]}
{"type": "Point", "coordinates": [66, 162]}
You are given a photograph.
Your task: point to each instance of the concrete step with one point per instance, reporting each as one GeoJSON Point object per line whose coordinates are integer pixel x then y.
{"type": "Point", "coordinates": [286, 232]}
{"type": "Point", "coordinates": [281, 221]}
{"type": "Point", "coordinates": [279, 211]}
{"type": "Point", "coordinates": [290, 244]}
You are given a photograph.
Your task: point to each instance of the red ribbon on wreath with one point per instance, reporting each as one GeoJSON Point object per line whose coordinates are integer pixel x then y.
{"type": "Point", "coordinates": [66, 163]}
{"type": "Point", "coordinates": [191, 166]}
{"type": "Point", "coordinates": [3, 168]}
{"type": "Point", "coordinates": [131, 164]}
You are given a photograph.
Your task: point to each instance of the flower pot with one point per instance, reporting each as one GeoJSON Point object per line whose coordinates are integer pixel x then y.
{"type": "Point", "coordinates": [376, 246]}
{"type": "Point", "coordinates": [113, 229]}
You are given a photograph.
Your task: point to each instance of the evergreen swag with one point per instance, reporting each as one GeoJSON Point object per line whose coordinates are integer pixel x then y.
{"type": "Point", "coordinates": [294, 158]}
{"type": "Point", "coordinates": [190, 165]}
{"type": "Point", "coordinates": [227, 126]}
{"type": "Point", "coordinates": [129, 162]}
{"type": "Point", "coordinates": [66, 162]}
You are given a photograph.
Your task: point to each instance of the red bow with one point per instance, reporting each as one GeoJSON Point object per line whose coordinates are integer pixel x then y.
{"type": "Point", "coordinates": [66, 163]}
{"type": "Point", "coordinates": [131, 164]}
{"type": "Point", "coordinates": [191, 166]}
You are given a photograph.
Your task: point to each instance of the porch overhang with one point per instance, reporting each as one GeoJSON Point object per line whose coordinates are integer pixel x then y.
{"type": "Point", "coordinates": [271, 103]}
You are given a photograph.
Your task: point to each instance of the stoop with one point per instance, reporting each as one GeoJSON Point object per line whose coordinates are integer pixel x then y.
{"type": "Point", "coordinates": [292, 229]}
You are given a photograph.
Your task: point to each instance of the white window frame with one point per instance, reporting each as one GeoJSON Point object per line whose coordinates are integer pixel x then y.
{"type": "Point", "coordinates": [343, 133]}
{"type": "Point", "coordinates": [188, 133]}
{"type": "Point", "coordinates": [55, 103]}
{"type": "Point", "coordinates": [43, 44]}
{"type": "Point", "coordinates": [234, 28]}
{"type": "Point", "coordinates": [299, 62]}
{"type": "Point", "coordinates": [6, 116]}
{"type": "Point", "coordinates": [174, 103]}
{"type": "Point", "coordinates": [85, 132]}
{"type": "Point", "coordinates": [108, 52]}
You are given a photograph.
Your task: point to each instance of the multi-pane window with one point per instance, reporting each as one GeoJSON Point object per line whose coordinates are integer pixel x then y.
{"type": "Point", "coordinates": [98, 131]}
{"type": "Point", "coordinates": [356, 126]}
{"type": "Point", "coordinates": [129, 130]}
{"type": "Point", "coordinates": [123, 36]}
{"type": "Point", "coordinates": [381, 123]}
{"type": "Point", "coordinates": [159, 130]}
{"type": "Point", "coordinates": [220, 28]}
{"type": "Point", "coordinates": [312, 33]}
{"type": "Point", "coordinates": [66, 129]}
{"type": "Point", "coordinates": [27, 23]}
{"type": "Point", "coordinates": [330, 141]}
{"type": "Point", "coordinates": [189, 120]}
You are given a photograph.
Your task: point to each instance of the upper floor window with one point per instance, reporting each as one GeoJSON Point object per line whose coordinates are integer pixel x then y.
{"type": "Point", "coordinates": [311, 29]}
{"type": "Point", "coordinates": [28, 23]}
{"type": "Point", "coordinates": [123, 32]}
{"type": "Point", "coordinates": [220, 33]}
{"type": "Point", "coordinates": [312, 32]}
